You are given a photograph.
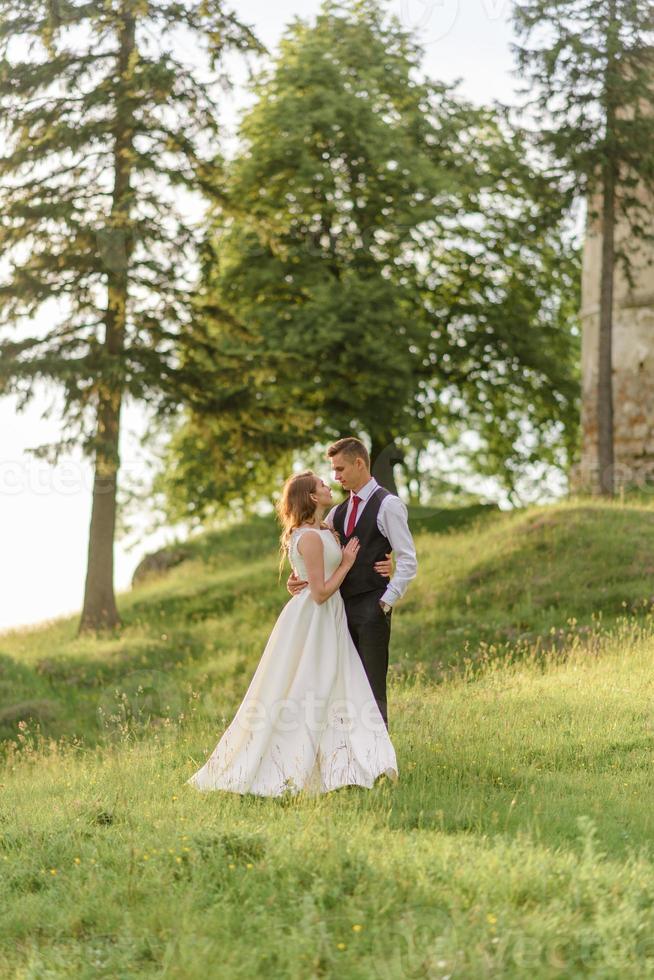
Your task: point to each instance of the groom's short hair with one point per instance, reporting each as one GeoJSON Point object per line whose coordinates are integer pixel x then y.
{"type": "Point", "coordinates": [350, 448]}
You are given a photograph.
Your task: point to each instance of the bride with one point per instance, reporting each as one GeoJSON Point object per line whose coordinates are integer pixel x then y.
{"type": "Point", "coordinates": [309, 720]}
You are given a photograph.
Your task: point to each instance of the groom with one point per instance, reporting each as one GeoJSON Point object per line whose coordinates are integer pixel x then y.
{"type": "Point", "coordinates": [381, 523]}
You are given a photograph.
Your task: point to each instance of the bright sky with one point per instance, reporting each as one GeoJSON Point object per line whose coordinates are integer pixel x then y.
{"type": "Point", "coordinates": [45, 510]}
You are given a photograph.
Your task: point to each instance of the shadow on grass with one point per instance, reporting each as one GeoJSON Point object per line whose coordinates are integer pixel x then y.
{"type": "Point", "coordinates": [442, 520]}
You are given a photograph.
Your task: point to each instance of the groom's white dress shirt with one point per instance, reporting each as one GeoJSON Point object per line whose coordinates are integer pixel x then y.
{"type": "Point", "coordinates": [393, 522]}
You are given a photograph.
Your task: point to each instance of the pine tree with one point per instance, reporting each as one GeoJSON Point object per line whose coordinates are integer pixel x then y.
{"type": "Point", "coordinates": [590, 75]}
{"type": "Point", "coordinates": [105, 128]}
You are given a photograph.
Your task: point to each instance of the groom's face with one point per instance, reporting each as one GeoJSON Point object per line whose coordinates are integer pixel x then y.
{"type": "Point", "coordinates": [348, 472]}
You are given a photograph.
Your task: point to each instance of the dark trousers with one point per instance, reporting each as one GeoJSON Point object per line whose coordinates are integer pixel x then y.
{"type": "Point", "coordinates": [370, 628]}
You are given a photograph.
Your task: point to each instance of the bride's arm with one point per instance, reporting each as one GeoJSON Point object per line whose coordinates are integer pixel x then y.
{"type": "Point", "coordinates": [311, 548]}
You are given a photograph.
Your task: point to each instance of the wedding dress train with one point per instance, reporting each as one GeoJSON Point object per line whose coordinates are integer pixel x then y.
{"type": "Point", "coordinates": [309, 720]}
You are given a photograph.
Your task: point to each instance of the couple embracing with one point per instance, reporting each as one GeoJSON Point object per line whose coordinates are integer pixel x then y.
{"type": "Point", "coordinates": [314, 717]}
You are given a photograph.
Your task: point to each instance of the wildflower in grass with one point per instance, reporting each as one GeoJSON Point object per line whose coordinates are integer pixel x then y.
{"type": "Point", "coordinates": [77, 861]}
{"type": "Point", "coordinates": [357, 927]}
{"type": "Point", "coordinates": [53, 871]}
{"type": "Point", "coordinates": [232, 865]}
{"type": "Point", "coordinates": [249, 865]}
{"type": "Point", "coordinates": [174, 798]}
{"type": "Point", "coordinates": [492, 919]}
{"type": "Point", "coordinates": [340, 946]}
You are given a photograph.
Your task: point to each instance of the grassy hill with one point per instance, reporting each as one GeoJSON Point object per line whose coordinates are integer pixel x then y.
{"type": "Point", "coordinates": [490, 584]}
{"type": "Point", "coordinates": [518, 838]}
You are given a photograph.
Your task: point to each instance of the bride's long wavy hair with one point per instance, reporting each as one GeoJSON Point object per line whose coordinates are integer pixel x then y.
{"type": "Point", "coordinates": [295, 507]}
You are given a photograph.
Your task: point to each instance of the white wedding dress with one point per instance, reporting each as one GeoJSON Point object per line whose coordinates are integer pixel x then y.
{"type": "Point", "coordinates": [309, 720]}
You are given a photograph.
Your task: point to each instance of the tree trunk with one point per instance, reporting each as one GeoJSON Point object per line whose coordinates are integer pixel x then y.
{"type": "Point", "coordinates": [605, 366]}
{"type": "Point", "coordinates": [605, 374]}
{"type": "Point", "coordinates": [99, 610]}
{"type": "Point", "coordinates": [384, 455]}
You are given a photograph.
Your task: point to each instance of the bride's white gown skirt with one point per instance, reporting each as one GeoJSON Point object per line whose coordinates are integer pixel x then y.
{"type": "Point", "coordinates": [309, 720]}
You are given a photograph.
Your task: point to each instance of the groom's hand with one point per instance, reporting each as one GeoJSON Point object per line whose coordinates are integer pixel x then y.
{"type": "Point", "coordinates": [295, 584]}
{"type": "Point", "coordinates": [385, 567]}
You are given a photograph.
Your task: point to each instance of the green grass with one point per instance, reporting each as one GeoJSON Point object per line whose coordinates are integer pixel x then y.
{"type": "Point", "coordinates": [517, 842]}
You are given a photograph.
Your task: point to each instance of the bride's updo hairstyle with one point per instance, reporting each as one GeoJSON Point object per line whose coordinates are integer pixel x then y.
{"type": "Point", "coordinates": [295, 507]}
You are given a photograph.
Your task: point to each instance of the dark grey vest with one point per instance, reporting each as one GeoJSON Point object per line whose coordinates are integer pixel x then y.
{"type": "Point", "coordinates": [374, 546]}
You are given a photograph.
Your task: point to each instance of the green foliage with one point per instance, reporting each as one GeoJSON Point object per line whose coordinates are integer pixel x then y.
{"type": "Point", "coordinates": [389, 260]}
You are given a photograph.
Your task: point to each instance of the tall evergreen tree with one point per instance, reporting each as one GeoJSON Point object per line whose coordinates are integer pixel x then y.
{"type": "Point", "coordinates": [105, 128]}
{"type": "Point", "coordinates": [590, 81]}
{"type": "Point", "coordinates": [399, 263]}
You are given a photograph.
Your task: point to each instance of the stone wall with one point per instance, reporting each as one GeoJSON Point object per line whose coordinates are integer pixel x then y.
{"type": "Point", "coordinates": [633, 367]}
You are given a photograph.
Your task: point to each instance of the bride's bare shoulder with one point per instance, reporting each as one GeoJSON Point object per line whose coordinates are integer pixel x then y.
{"type": "Point", "coordinates": [309, 540]}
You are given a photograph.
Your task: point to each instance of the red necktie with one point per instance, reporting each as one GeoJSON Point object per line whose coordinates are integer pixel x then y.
{"type": "Point", "coordinates": [353, 515]}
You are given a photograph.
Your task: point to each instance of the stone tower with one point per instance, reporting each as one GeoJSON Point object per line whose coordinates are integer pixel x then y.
{"type": "Point", "coordinates": [633, 365]}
